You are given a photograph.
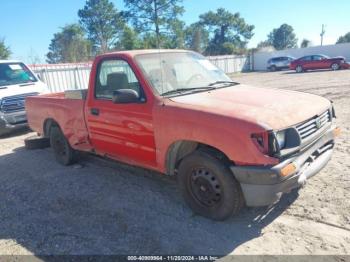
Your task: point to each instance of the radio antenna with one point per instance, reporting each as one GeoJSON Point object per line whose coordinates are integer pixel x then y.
{"type": "Point", "coordinates": [160, 67]}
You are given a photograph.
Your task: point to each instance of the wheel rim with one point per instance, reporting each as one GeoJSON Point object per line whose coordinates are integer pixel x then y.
{"type": "Point", "coordinates": [299, 69]}
{"type": "Point", "coordinates": [59, 145]}
{"type": "Point", "coordinates": [205, 187]}
{"type": "Point", "coordinates": [335, 66]}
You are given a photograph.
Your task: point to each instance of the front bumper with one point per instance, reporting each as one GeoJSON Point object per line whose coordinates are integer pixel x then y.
{"type": "Point", "coordinates": [262, 186]}
{"type": "Point", "coordinates": [12, 121]}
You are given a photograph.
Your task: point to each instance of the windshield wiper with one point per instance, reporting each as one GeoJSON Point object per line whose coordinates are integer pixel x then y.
{"type": "Point", "coordinates": [223, 82]}
{"type": "Point", "coordinates": [211, 86]}
{"type": "Point", "coordinates": [180, 90]}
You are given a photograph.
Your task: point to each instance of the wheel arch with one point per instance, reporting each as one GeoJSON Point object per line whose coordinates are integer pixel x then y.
{"type": "Point", "coordinates": [48, 124]}
{"type": "Point", "coordinates": [180, 149]}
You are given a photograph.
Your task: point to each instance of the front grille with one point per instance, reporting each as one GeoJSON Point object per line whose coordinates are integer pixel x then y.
{"type": "Point", "coordinates": [12, 104]}
{"type": "Point", "coordinates": [311, 126]}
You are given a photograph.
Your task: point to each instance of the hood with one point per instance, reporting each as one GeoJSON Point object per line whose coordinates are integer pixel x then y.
{"type": "Point", "coordinates": [337, 58]}
{"type": "Point", "coordinates": [13, 90]}
{"type": "Point", "coordinates": [269, 108]}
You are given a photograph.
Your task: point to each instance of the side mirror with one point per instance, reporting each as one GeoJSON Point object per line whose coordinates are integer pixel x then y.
{"type": "Point", "coordinates": [125, 96]}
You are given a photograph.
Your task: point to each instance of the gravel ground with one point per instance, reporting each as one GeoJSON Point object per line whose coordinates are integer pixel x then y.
{"type": "Point", "coordinates": [103, 207]}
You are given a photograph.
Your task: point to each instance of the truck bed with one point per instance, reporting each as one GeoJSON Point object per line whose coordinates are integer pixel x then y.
{"type": "Point", "coordinates": [68, 113]}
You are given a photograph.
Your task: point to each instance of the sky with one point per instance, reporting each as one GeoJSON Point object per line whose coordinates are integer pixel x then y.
{"type": "Point", "coordinates": [28, 25]}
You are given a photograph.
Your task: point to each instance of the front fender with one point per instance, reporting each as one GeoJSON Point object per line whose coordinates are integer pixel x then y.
{"type": "Point", "coordinates": [230, 136]}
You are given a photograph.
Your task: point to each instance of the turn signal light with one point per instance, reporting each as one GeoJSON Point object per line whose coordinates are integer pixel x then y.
{"type": "Point", "coordinates": [337, 131]}
{"type": "Point", "coordinates": [288, 170]}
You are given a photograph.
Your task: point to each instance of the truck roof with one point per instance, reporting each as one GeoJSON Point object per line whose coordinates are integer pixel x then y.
{"type": "Point", "coordinates": [9, 61]}
{"type": "Point", "coordinates": [133, 53]}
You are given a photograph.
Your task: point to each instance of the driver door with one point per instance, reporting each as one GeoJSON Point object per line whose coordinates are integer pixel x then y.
{"type": "Point", "coordinates": [120, 131]}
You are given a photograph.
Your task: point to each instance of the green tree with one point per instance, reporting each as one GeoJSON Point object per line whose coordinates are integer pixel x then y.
{"type": "Point", "coordinates": [149, 40]}
{"type": "Point", "coordinates": [344, 39]}
{"type": "Point", "coordinates": [229, 32]}
{"type": "Point", "coordinates": [283, 37]}
{"type": "Point", "coordinates": [69, 46]}
{"type": "Point", "coordinates": [305, 43]}
{"type": "Point", "coordinates": [263, 44]}
{"type": "Point", "coordinates": [175, 38]}
{"type": "Point", "coordinates": [196, 37]}
{"type": "Point", "coordinates": [102, 22]}
{"type": "Point", "coordinates": [129, 40]}
{"type": "Point", "coordinates": [160, 17]}
{"type": "Point", "coordinates": [5, 51]}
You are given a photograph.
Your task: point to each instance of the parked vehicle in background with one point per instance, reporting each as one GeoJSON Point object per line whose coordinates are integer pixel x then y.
{"type": "Point", "coordinates": [279, 63]}
{"type": "Point", "coordinates": [17, 82]}
{"type": "Point", "coordinates": [314, 62]}
{"type": "Point", "coordinates": [174, 112]}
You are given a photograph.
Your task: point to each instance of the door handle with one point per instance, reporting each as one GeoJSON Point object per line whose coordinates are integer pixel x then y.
{"type": "Point", "coordinates": [95, 111]}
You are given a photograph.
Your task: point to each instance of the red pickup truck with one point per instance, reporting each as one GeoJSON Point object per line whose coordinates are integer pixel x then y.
{"type": "Point", "coordinates": [174, 112]}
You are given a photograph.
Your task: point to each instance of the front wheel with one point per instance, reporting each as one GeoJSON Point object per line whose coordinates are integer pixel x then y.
{"type": "Point", "coordinates": [209, 187]}
{"type": "Point", "coordinates": [335, 66]}
{"type": "Point", "coordinates": [64, 154]}
{"type": "Point", "coordinates": [299, 69]}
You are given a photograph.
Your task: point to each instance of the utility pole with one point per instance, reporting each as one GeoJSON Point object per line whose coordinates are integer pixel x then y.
{"type": "Point", "coordinates": [322, 33]}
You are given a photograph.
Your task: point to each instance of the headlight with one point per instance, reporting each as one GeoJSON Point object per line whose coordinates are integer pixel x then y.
{"type": "Point", "coordinates": [281, 139]}
{"type": "Point", "coordinates": [277, 143]}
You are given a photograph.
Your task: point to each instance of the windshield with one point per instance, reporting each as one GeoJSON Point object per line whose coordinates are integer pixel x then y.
{"type": "Point", "coordinates": [179, 71]}
{"type": "Point", "coordinates": [15, 73]}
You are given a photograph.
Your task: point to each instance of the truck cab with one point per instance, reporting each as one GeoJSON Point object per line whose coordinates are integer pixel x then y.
{"type": "Point", "coordinates": [17, 82]}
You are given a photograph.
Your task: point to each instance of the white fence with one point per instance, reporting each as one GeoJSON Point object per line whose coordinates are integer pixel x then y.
{"type": "Point", "coordinates": [260, 58]}
{"type": "Point", "coordinates": [231, 63]}
{"type": "Point", "coordinates": [60, 77]}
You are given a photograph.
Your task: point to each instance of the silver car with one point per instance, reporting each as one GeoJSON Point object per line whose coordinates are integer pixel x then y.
{"type": "Point", "coordinates": [279, 63]}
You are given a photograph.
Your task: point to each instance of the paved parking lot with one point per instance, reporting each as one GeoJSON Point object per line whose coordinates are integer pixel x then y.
{"type": "Point", "coordinates": [102, 207]}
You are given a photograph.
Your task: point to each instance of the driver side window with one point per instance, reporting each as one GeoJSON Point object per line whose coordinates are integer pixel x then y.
{"type": "Point", "coordinates": [114, 75]}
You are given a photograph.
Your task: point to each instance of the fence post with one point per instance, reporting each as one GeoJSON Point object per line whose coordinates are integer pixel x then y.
{"type": "Point", "coordinates": [41, 75]}
{"type": "Point", "coordinates": [75, 78]}
{"type": "Point", "coordinates": [48, 80]}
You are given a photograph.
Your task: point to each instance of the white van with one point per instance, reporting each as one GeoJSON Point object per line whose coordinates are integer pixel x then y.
{"type": "Point", "coordinates": [17, 82]}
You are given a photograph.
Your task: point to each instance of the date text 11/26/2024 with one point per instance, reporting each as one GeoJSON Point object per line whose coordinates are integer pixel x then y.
{"type": "Point", "coordinates": [172, 258]}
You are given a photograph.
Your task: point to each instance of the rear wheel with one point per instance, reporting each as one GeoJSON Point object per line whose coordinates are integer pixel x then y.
{"type": "Point", "coordinates": [64, 154]}
{"type": "Point", "coordinates": [335, 66]}
{"type": "Point", "coordinates": [299, 69]}
{"type": "Point", "coordinates": [209, 187]}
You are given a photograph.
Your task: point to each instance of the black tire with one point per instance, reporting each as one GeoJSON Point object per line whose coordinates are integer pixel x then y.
{"type": "Point", "coordinates": [36, 142]}
{"type": "Point", "coordinates": [299, 69]}
{"type": "Point", "coordinates": [209, 187]}
{"type": "Point", "coordinates": [64, 153]}
{"type": "Point", "coordinates": [335, 66]}
{"type": "Point", "coordinates": [273, 68]}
